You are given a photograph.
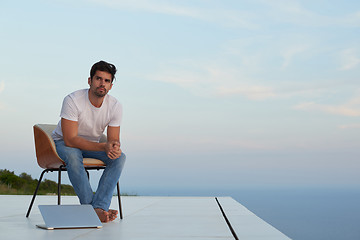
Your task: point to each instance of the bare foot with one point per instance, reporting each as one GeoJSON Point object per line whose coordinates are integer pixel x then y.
{"type": "Point", "coordinates": [103, 215]}
{"type": "Point", "coordinates": [112, 214]}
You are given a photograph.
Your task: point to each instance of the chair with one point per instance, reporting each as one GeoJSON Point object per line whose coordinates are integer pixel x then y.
{"type": "Point", "coordinates": [49, 160]}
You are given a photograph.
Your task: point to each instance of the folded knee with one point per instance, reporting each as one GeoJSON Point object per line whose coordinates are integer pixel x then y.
{"type": "Point", "coordinates": [119, 162]}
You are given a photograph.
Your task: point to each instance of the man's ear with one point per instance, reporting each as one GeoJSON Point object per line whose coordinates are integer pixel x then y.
{"type": "Point", "coordinates": [89, 80]}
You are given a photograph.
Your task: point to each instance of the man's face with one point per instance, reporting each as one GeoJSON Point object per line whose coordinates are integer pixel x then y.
{"type": "Point", "coordinates": [100, 84]}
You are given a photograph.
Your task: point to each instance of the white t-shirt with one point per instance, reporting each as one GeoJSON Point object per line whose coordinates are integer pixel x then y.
{"type": "Point", "coordinates": [92, 121]}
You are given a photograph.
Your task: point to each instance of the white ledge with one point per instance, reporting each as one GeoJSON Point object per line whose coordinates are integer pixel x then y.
{"type": "Point", "coordinates": [147, 218]}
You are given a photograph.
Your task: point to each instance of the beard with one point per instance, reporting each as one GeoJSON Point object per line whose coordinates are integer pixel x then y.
{"type": "Point", "coordinates": [99, 93]}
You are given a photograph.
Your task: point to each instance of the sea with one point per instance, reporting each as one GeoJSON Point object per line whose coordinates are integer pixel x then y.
{"type": "Point", "coordinates": [300, 213]}
{"type": "Point", "coordinates": [307, 214]}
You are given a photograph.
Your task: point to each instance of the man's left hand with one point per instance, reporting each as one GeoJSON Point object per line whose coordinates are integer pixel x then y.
{"type": "Point", "coordinates": [113, 150]}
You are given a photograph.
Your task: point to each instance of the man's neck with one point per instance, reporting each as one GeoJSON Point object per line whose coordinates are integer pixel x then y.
{"type": "Point", "coordinates": [96, 101]}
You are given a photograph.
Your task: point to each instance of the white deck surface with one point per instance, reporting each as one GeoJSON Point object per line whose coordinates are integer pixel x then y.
{"type": "Point", "coordinates": [150, 218]}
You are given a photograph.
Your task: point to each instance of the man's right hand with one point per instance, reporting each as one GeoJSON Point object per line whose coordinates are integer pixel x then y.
{"type": "Point", "coordinates": [112, 149]}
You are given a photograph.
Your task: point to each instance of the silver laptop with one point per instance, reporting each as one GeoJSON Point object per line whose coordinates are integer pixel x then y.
{"type": "Point", "coordinates": [69, 216]}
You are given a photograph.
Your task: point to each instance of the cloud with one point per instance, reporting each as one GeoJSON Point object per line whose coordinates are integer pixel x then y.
{"type": "Point", "coordinates": [292, 11]}
{"type": "Point", "coordinates": [210, 79]}
{"type": "Point", "coordinates": [246, 75]}
{"type": "Point", "coordinates": [279, 49]}
{"type": "Point", "coordinates": [254, 63]}
{"type": "Point", "coordinates": [290, 52]}
{"type": "Point", "coordinates": [151, 6]}
{"type": "Point", "coordinates": [349, 59]}
{"type": "Point", "coordinates": [198, 143]}
{"type": "Point", "coordinates": [273, 12]}
{"type": "Point", "coordinates": [350, 108]}
{"type": "Point", "coordinates": [208, 13]}
{"type": "Point", "coordinates": [350, 126]}
{"type": "Point", "coordinates": [350, 20]}
{"type": "Point", "coordinates": [288, 11]}
{"type": "Point", "coordinates": [252, 92]}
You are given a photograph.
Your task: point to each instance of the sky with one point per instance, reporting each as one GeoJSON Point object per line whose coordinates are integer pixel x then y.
{"type": "Point", "coordinates": [216, 94]}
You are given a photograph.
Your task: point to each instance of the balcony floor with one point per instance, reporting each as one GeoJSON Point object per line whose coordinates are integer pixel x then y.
{"type": "Point", "coordinates": [144, 218]}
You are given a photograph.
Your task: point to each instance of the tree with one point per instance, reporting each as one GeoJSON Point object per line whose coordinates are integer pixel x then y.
{"type": "Point", "coordinates": [10, 179]}
{"type": "Point", "coordinates": [24, 184]}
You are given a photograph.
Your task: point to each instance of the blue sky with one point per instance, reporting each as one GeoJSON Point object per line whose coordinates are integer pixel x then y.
{"type": "Point", "coordinates": [216, 94]}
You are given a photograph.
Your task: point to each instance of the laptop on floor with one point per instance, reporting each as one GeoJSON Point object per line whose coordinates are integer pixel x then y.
{"type": "Point", "coordinates": [69, 216]}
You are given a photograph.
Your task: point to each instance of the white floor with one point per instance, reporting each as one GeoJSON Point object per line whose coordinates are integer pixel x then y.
{"type": "Point", "coordinates": [147, 218]}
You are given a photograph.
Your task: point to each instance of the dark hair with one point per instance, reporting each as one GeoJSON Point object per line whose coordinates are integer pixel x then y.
{"type": "Point", "coordinates": [104, 67]}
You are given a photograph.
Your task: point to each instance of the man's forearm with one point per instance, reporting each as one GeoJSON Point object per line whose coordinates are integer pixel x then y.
{"type": "Point", "coordinates": [83, 144]}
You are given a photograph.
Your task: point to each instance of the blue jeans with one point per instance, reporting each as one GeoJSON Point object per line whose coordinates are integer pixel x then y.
{"type": "Point", "coordinates": [73, 158]}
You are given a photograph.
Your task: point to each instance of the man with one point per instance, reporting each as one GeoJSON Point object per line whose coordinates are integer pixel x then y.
{"type": "Point", "coordinates": [84, 116]}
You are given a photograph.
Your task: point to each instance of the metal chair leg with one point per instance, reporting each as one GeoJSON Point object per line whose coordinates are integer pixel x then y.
{"type": "Point", "coordinates": [119, 200]}
{"type": "Point", "coordinates": [62, 168]}
{"type": "Point", "coordinates": [37, 188]}
{"type": "Point", "coordinates": [59, 186]}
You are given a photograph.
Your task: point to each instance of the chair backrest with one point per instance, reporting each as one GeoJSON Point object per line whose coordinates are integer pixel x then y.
{"type": "Point", "coordinates": [46, 154]}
